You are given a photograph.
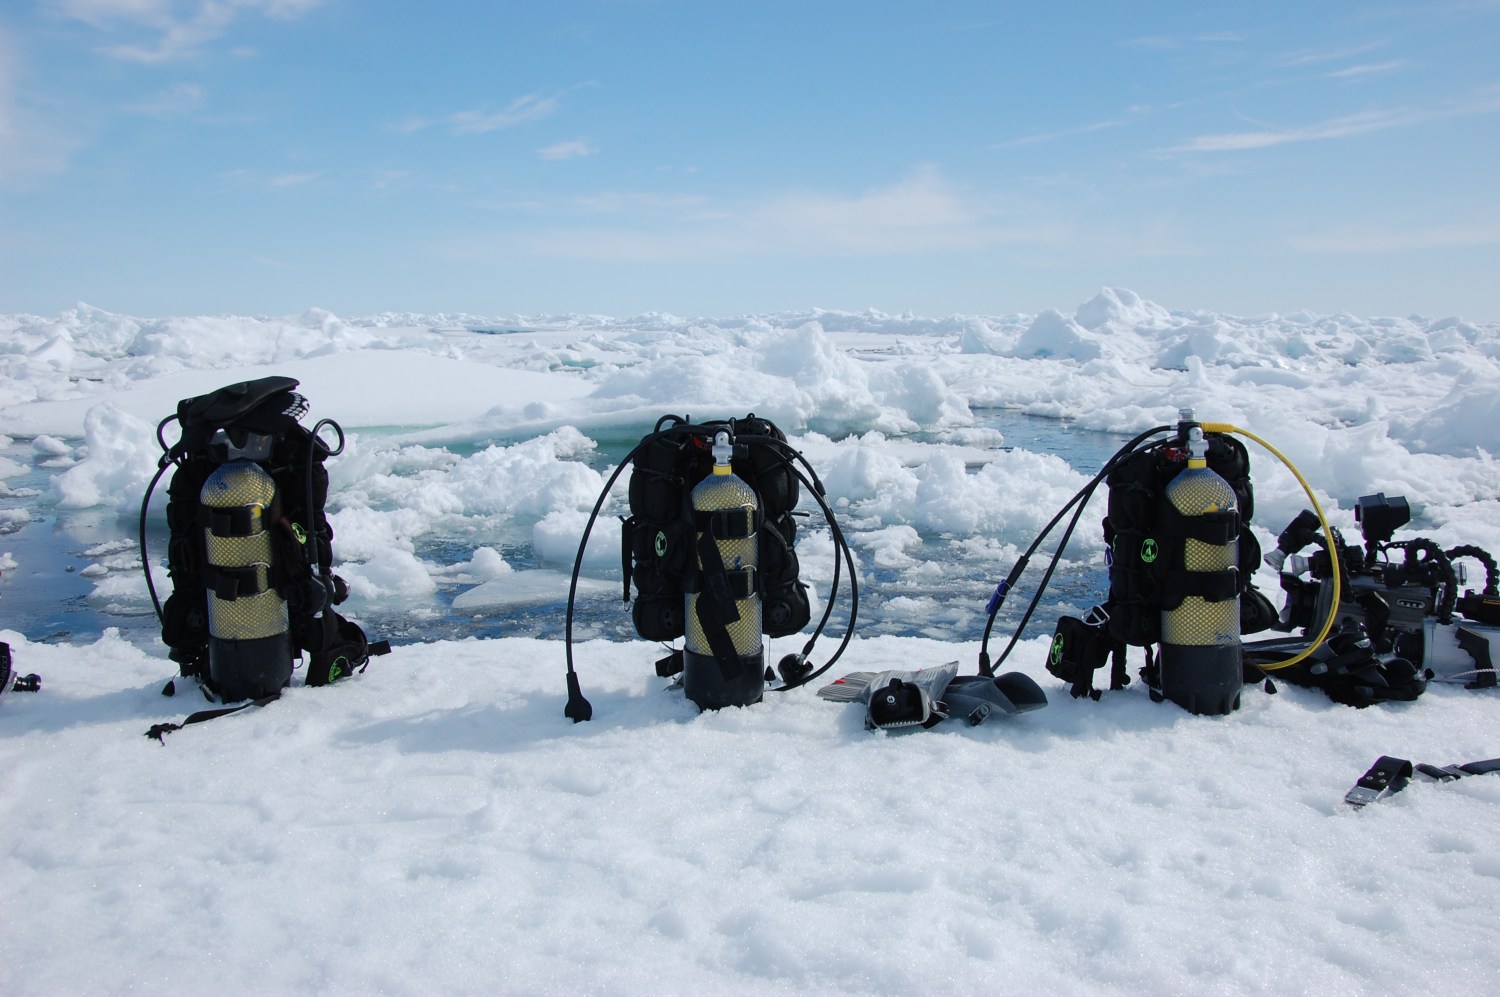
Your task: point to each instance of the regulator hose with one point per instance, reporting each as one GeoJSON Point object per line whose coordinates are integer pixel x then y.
{"type": "Point", "coordinates": [1333, 549]}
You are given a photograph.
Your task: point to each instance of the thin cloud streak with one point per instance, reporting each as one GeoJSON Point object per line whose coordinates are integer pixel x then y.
{"type": "Point", "coordinates": [1369, 69]}
{"type": "Point", "coordinates": [480, 121]}
{"type": "Point", "coordinates": [1355, 124]}
{"type": "Point", "coordinates": [575, 149]}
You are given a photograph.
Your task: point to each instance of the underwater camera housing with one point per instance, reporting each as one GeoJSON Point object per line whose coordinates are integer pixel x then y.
{"type": "Point", "coordinates": [1405, 603]}
{"type": "Point", "coordinates": [1387, 597]}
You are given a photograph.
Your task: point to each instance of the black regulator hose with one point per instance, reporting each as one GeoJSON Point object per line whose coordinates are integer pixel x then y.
{"type": "Point", "coordinates": [1081, 501]}
{"type": "Point", "coordinates": [792, 670]}
{"type": "Point", "coordinates": [167, 460]}
{"type": "Point", "coordinates": [1491, 572]}
{"type": "Point", "coordinates": [578, 709]}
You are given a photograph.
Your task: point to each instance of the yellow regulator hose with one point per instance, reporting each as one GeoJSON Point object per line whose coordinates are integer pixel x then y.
{"type": "Point", "coordinates": [1333, 551]}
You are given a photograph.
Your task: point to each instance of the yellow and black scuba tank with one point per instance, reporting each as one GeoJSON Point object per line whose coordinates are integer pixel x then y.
{"type": "Point", "coordinates": [250, 549]}
{"type": "Point", "coordinates": [1180, 555]}
{"type": "Point", "coordinates": [710, 550]}
{"type": "Point", "coordinates": [723, 661]}
{"type": "Point", "coordinates": [1199, 667]}
{"type": "Point", "coordinates": [249, 626]}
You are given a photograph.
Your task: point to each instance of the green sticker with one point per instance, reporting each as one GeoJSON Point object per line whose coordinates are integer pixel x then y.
{"type": "Point", "coordinates": [661, 543]}
{"type": "Point", "coordinates": [1149, 552]}
{"type": "Point", "coordinates": [1057, 649]}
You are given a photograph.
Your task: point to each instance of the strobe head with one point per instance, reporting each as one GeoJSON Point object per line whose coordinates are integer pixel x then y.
{"type": "Point", "coordinates": [1380, 517]}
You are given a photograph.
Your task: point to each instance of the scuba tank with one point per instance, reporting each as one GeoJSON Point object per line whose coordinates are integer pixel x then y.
{"type": "Point", "coordinates": [1200, 662]}
{"type": "Point", "coordinates": [723, 659]}
{"type": "Point", "coordinates": [250, 643]}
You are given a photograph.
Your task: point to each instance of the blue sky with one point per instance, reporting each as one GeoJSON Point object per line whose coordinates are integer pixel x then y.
{"type": "Point", "coordinates": [716, 158]}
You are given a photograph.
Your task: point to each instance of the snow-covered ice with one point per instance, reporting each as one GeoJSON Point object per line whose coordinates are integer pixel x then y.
{"type": "Point", "coordinates": [436, 825]}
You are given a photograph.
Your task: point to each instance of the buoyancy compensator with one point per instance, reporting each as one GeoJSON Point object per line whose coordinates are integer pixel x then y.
{"type": "Point", "coordinates": [710, 549]}
{"type": "Point", "coordinates": [250, 551]}
{"type": "Point", "coordinates": [1180, 556]}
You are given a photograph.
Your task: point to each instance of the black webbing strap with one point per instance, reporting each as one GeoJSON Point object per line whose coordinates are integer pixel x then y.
{"type": "Point", "coordinates": [236, 521]}
{"type": "Point", "coordinates": [1212, 586]}
{"type": "Point", "coordinates": [1217, 528]}
{"type": "Point", "coordinates": [160, 731]}
{"type": "Point", "coordinates": [728, 524]}
{"type": "Point", "coordinates": [1391, 775]}
{"type": "Point", "coordinates": [716, 607]}
{"type": "Point", "coordinates": [231, 583]}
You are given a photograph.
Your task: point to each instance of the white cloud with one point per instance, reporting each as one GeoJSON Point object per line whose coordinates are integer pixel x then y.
{"type": "Point", "coordinates": [174, 36]}
{"type": "Point", "coordinates": [528, 107]}
{"type": "Point", "coordinates": [919, 214]}
{"type": "Point", "coordinates": [1368, 69]}
{"type": "Point", "coordinates": [1354, 124]}
{"type": "Point", "coordinates": [1363, 123]}
{"type": "Point", "coordinates": [1096, 126]}
{"type": "Point", "coordinates": [1308, 57]}
{"type": "Point", "coordinates": [575, 149]}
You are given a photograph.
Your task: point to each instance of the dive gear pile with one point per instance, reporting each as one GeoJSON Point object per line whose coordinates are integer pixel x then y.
{"type": "Point", "coordinates": [710, 546]}
{"type": "Point", "coordinates": [1181, 556]}
{"type": "Point", "coordinates": [250, 552]}
{"type": "Point", "coordinates": [896, 700]}
{"type": "Point", "coordinates": [1400, 621]}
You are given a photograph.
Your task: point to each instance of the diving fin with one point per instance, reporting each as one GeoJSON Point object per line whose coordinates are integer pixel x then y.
{"type": "Point", "coordinates": [976, 697]}
{"type": "Point", "coordinates": [896, 700]}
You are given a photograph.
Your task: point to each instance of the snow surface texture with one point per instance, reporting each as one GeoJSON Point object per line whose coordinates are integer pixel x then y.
{"type": "Point", "coordinates": [436, 825]}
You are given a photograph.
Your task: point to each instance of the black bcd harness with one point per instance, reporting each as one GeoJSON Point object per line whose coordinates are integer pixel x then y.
{"type": "Point", "coordinates": [258, 421]}
{"type": "Point", "coordinates": [1145, 538]}
{"type": "Point", "coordinates": [664, 541]}
{"type": "Point", "coordinates": [660, 549]}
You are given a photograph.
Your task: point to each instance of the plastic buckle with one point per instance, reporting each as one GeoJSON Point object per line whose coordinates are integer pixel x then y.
{"type": "Point", "coordinates": [1388, 775]}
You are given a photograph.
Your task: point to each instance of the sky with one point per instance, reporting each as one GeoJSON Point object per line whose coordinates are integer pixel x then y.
{"type": "Point", "coordinates": [162, 157]}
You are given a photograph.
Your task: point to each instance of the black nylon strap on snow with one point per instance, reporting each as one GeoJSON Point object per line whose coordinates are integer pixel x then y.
{"type": "Point", "coordinates": [160, 731]}
{"type": "Point", "coordinates": [1388, 775]}
{"type": "Point", "coordinates": [716, 607]}
{"type": "Point", "coordinates": [1391, 775]}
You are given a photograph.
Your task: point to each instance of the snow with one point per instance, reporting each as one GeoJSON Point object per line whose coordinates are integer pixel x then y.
{"type": "Point", "coordinates": [436, 825]}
